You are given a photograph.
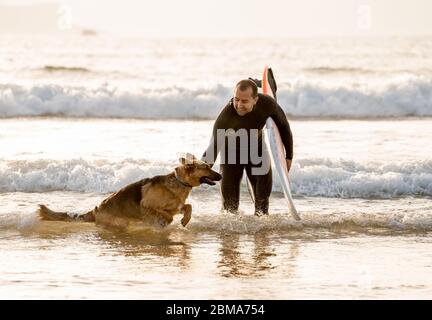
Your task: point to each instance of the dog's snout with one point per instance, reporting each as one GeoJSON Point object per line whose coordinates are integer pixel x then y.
{"type": "Point", "coordinates": [216, 176]}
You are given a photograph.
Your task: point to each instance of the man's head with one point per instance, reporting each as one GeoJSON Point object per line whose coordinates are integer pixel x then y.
{"type": "Point", "coordinates": [245, 96]}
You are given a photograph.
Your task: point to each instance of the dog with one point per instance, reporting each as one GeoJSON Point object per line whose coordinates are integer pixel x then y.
{"type": "Point", "coordinates": [154, 200]}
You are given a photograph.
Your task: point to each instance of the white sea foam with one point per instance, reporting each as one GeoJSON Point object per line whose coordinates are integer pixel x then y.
{"type": "Point", "coordinates": [411, 97]}
{"type": "Point", "coordinates": [309, 177]}
{"type": "Point", "coordinates": [387, 219]}
{"type": "Point", "coordinates": [336, 222]}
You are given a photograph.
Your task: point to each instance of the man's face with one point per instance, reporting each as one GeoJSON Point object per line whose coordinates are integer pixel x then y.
{"type": "Point", "coordinates": [244, 101]}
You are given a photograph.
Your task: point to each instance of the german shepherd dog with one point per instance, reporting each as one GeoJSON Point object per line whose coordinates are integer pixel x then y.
{"type": "Point", "coordinates": [152, 200]}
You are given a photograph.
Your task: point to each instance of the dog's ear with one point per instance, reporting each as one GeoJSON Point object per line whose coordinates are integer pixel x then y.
{"type": "Point", "coordinates": [187, 159]}
{"type": "Point", "coordinates": [187, 162]}
{"type": "Point", "coordinates": [190, 157]}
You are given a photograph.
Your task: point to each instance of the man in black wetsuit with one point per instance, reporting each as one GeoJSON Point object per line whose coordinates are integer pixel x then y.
{"type": "Point", "coordinates": [244, 117]}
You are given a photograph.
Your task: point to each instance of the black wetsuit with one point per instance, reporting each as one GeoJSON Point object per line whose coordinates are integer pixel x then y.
{"type": "Point", "coordinates": [232, 172]}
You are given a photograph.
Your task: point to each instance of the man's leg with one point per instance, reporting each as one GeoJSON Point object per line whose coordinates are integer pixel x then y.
{"type": "Point", "coordinates": [230, 186]}
{"type": "Point", "coordinates": [262, 185]}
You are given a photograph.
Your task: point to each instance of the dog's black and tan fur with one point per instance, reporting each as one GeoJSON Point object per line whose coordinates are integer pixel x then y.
{"type": "Point", "coordinates": [153, 200]}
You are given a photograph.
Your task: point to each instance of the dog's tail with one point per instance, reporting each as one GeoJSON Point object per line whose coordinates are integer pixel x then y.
{"type": "Point", "coordinates": [47, 214]}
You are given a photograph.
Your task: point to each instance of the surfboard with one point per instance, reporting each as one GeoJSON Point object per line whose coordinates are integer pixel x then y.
{"type": "Point", "coordinates": [276, 147]}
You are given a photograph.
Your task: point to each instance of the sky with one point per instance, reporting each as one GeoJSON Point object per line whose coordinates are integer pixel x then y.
{"type": "Point", "coordinates": [221, 18]}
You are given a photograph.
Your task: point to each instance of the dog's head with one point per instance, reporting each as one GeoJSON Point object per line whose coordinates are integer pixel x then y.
{"type": "Point", "coordinates": [195, 172]}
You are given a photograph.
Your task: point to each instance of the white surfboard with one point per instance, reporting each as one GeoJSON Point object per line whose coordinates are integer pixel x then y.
{"type": "Point", "coordinates": [277, 150]}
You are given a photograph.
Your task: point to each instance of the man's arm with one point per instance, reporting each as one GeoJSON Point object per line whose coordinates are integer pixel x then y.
{"type": "Point", "coordinates": [211, 153]}
{"type": "Point", "coordinates": [285, 131]}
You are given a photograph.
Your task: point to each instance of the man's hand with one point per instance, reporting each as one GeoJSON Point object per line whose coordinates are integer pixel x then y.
{"type": "Point", "coordinates": [288, 162]}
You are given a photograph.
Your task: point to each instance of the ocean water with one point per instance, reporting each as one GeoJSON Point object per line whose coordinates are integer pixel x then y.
{"type": "Point", "coordinates": [81, 117]}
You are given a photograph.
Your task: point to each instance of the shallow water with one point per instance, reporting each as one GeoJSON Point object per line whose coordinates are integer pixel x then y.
{"type": "Point", "coordinates": [365, 203]}
{"type": "Point", "coordinates": [342, 248]}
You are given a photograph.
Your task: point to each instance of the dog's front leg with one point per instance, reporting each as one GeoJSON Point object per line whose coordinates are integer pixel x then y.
{"type": "Point", "coordinates": [157, 213]}
{"type": "Point", "coordinates": [165, 215]}
{"type": "Point", "coordinates": [187, 214]}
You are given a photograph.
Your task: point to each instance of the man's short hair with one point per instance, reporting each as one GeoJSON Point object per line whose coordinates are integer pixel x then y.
{"type": "Point", "coordinates": [247, 83]}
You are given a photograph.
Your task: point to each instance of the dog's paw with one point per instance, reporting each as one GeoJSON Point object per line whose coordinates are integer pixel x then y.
{"type": "Point", "coordinates": [185, 220]}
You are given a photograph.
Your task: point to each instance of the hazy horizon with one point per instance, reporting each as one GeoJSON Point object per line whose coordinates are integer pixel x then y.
{"type": "Point", "coordinates": [193, 18]}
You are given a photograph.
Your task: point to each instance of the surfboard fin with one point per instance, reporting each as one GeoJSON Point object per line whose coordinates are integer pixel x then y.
{"type": "Point", "coordinates": [257, 82]}
{"type": "Point", "coordinates": [272, 82]}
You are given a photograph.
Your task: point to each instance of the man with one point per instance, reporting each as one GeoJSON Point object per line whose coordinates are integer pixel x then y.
{"type": "Point", "coordinates": [247, 112]}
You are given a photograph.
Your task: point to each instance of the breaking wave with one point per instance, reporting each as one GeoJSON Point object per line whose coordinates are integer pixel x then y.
{"type": "Point", "coordinates": [395, 99]}
{"type": "Point", "coordinates": [309, 177]}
